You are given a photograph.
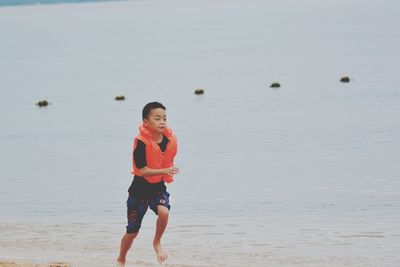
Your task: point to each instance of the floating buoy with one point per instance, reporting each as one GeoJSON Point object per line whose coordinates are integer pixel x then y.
{"type": "Point", "coordinates": [42, 103]}
{"type": "Point", "coordinates": [275, 85]}
{"type": "Point", "coordinates": [120, 98]}
{"type": "Point", "coordinates": [345, 79]}
{"type": "Point", "coordinates": [199, 91]}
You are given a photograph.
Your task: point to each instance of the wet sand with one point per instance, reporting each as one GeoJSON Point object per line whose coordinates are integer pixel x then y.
{"type": "Point", "coordinates": [25, 264]}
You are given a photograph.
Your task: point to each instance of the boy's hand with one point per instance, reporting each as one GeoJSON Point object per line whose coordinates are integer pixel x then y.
{"type": "Point", "coordinates": [172, 171]}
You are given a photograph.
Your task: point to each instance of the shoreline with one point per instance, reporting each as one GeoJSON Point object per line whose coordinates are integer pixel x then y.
{"type": "Point", "coordinates": [7, 263]}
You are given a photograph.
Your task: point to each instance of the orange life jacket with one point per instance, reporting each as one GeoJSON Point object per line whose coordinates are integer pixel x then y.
{"type": "Point", "coordinates": [155, 158]}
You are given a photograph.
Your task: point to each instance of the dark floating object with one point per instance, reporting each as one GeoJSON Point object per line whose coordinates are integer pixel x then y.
{"type": "Point", "coordinates": [120, 98]}
{"type": "Point", "coordinates": [199, 91]}
{"type": "Point", "coordinates": [275, 85]}
{"type": "Point", "coordinates": [42, 103]}
{"type": "Point", "coordinates": [345, 79]}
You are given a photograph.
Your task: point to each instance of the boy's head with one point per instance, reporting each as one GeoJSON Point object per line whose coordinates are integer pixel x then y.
{"type": "Point", "coordinates": [154, 117]}
{"type": "Point", "coordinates": [149, 107]}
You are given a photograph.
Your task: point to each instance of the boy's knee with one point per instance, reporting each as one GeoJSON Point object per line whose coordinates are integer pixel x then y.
{"type": "Point", "coordinates": [163, 212]}
{"type": "Point", "coordinates": [131, 234]}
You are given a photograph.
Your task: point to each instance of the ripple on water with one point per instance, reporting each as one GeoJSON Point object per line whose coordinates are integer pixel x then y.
{"type": "Point", "coordinates": [365, 235]}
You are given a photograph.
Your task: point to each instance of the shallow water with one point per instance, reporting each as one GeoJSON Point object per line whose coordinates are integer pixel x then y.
{"type": "Point", "coordinates": [305, 175]}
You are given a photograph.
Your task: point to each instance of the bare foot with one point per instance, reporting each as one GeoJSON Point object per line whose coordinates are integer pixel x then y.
{"type": "Point", "coordinates": [120, 264]}
{"type": "Point", "coordinates": [161, 255]}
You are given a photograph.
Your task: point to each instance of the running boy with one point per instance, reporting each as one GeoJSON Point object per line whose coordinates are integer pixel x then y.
{"type": "Point", "coordinates": [153, 164]}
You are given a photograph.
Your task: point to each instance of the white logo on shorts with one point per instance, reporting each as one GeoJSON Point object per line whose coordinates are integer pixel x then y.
{"type": "Point", "coordinates": [162, 201]}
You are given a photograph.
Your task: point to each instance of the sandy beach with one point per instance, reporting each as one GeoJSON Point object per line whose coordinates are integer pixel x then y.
{"type": "Point", "coordinates": [21, 264]}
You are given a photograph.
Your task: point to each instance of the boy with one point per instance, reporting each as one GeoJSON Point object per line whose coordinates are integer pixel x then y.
{"type": "Point", "coordinates": [153, 164]}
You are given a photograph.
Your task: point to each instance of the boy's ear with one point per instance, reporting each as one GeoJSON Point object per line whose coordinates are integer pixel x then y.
{"type": "Point", "coordinates": [145, 122]}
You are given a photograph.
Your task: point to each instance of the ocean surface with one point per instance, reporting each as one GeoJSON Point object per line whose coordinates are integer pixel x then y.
{"type": "Point", "coordinates": [44, 2]}
{"type": "Point", "coordinates": [303, 175]}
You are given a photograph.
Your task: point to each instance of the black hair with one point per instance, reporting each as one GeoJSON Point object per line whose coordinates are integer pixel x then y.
{"type": "Point", "coordinates": [152, 105]}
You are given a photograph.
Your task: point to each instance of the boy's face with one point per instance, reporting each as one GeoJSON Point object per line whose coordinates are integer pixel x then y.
{"type": "Point", "coordinates": [157, 120]}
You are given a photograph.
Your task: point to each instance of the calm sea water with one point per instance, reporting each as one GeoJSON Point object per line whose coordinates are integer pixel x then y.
{"type": "Point", "coordinates": [303, 175]}
{"type": "Point", "coordinates": [43, 2]}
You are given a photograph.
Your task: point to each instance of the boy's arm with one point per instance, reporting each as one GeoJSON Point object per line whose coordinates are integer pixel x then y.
{"type": "Point", "coordinates": [150, 172]}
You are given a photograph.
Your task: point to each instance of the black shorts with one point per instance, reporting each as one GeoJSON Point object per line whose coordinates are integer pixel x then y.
{"type": "Point", "coordinates": [137, 208]}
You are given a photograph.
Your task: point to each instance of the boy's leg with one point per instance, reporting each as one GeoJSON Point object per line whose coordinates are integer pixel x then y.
{"type": "Point", "coordinates": [162, 221]}
{"type": "Point", "coordinates": [136, 210]}
{"type": "Point", "coordinates": [160, 205]}
{"type": "Point", "coordinates": [126, 244]}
